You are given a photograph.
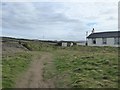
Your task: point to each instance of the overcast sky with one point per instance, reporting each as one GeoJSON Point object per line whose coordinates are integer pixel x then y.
{"type": "Point", "coordinates": [57, 20]}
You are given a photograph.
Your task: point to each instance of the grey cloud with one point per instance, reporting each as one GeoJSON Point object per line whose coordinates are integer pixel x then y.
{"type": "Point", "coordinates": [33, 20]}
{"type": "Point", "coordinates": [21, 16]}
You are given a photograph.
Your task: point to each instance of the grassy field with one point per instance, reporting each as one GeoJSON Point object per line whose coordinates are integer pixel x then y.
{"type": "Point", "coordinates": [89, 67]}
{"type": "Point", "coordinates": [74, 67]}
{"type": "Point", "coordinates": [13, 65]}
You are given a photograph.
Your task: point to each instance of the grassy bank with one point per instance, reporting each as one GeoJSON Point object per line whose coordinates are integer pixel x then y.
{"type": "Point", "coordinates": [84, 67]}
{"type": "Point", "coordinates": [39, 46]}
{"type": "Point", "coordinates": [13, 65]}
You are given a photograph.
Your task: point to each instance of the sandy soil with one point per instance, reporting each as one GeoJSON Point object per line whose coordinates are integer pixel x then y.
{"type": "Point", "coordinates": [33, 77]}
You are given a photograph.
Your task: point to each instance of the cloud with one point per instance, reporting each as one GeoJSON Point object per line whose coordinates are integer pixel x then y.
{"type": "Point", "coordinates": [57, 20]}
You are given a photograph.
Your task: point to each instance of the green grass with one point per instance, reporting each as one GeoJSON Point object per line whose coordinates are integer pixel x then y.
{"type": "Point", "coordinates": [85, 67]}
{"type": "Point", "coordinates": [0, 74]}
{"type": "Point", "coordinates": [39, 46]}
{"type": "Point", "coordinates": [75, 67]}
{"type": "Point", "coordinates": [13, 66]}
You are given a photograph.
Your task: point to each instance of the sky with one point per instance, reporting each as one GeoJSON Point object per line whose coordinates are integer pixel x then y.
{"type": "Point", "coordinates": [57, 20]}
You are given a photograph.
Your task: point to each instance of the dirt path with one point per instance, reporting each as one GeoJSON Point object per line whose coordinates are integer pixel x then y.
{"type": "Point", "coordinates": [33, 77]}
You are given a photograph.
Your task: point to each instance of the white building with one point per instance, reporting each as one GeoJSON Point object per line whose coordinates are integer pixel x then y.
{"type": "Point", "coordinates": [65, 43]}
{"type": "Point", "coordinates": [104, 39]}
{"type": "Point", "coordinates": [83, 43]}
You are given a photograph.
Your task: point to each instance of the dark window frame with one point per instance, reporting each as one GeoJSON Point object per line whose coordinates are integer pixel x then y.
{"type": "Point", "coordinates": [93, 40]}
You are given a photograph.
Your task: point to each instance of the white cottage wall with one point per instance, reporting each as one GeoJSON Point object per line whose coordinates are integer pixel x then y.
{"type": "Point", "coordinates": [99, 42]}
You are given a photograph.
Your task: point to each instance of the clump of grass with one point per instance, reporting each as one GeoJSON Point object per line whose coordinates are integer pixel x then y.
{"type": "Point", "coordinates": [12, 67]}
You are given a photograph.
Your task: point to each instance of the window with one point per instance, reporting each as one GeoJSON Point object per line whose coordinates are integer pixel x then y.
{"type": "Point", "coordinates": [104, 40]}
{"type": "Point", "coordinates": [117, 40]}
{"type": "Point", "coordinates": [93, 41]}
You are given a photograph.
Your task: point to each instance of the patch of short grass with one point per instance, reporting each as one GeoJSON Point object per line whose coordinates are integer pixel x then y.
{"type": "Point", "coordinates": [12, 66]}
{"type": "Point", "coordinates": [85, 67]}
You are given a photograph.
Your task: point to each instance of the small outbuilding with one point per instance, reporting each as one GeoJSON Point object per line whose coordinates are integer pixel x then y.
{"type": "Point", "coordinates": [66, 43]}
{"type": "Point", "coordinates": [83, 43]}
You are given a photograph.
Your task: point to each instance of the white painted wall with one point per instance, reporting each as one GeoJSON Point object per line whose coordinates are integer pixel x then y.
{"type": "Point", "coordinates": [110, 42]}
{"type": "Point", "coordinates": [64, 44]}
{"type": "Point", "coordinates": [71, 44]}
{"type": "Point", "coordinates": [80, 43]}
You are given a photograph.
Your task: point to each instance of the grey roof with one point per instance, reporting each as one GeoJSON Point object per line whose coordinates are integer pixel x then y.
{"type": "Point", "coordinates": [105, 34]}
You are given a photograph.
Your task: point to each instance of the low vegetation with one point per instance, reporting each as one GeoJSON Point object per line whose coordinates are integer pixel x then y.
{"type": "Point", "coordinates": [75, 67]}
{"type": "Point", "coordinates": [38, 46]}
{"type": "Point", "coordinates": [85, 67]}
{"type": "Point", "coordinates": [13, 65]}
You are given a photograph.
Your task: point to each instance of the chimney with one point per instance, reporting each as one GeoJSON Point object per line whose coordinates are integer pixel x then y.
{"type": "Point", "coordinates": [93, 30]}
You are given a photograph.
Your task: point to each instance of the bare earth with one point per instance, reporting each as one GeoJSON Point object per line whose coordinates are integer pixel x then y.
{"type": "Point", "coordinates": [33, 77]}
